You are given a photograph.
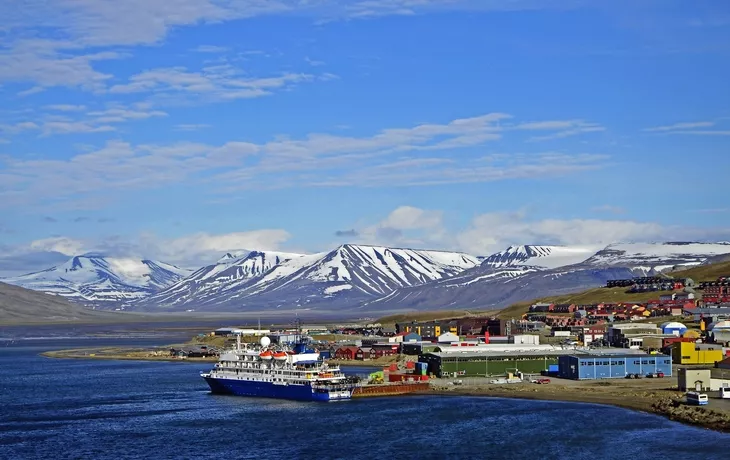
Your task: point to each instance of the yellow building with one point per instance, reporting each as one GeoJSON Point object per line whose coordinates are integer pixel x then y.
{"type": "Point", "coordinates": [688, 353]}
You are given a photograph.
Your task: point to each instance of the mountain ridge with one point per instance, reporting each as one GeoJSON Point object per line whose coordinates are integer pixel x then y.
{"type": "Point", "coordinates": [94, 280]}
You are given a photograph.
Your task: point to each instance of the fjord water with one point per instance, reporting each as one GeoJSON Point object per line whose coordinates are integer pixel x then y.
{"type": "Point", "coordinates": [58, 408]}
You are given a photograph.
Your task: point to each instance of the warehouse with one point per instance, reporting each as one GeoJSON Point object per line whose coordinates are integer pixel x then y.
{"type": "Point", "coordinates": [692, 353]}
{"type": "Point", "coordinates": [607, 366]}
{"type": "Point", "coordinates": [485, 363]}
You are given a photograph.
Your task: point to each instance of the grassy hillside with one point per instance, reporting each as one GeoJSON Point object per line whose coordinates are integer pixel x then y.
{"type": "Point", "coordinates": [19, 305]}
{"type": "Point", "coordinates": [389, 321]}
{"type": "Point", "coordinates": [708, 272]}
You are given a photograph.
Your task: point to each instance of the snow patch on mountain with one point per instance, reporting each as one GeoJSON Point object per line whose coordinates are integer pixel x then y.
{"type": "Point", "coordinates": [657, 256]}
{"type": "Point", "coordinates": [540, 256]}
{"type": "Point", "coordinates": [233, 270]}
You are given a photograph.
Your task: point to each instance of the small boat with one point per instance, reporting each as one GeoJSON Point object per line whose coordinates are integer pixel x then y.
{"type": "Point", "coordinates": [280, 355]}
{"type": "Point", "coordinates": [266, 354]}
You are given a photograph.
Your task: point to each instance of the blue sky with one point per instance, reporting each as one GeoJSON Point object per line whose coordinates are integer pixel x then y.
{"type": "Point", "coordinates": [180, 129]}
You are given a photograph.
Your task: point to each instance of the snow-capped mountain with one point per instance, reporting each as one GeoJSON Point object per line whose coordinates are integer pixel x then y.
{"type": "Point", "coordinates": [657, 257]}
{"type": "Point", "coordinates": [233, 270]}
{"type": "Point", "coordinates": [540, 256]}
{"type": "Point", "coordinates": [100, 281]}
{"type": "Point", "coordinates": [488, 287]}
{"type": "Point", "coordinates": [342, 277]}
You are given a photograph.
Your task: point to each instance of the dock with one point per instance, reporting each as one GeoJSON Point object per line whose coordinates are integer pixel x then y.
{"type": "Point", "coordinates": [389, 389]}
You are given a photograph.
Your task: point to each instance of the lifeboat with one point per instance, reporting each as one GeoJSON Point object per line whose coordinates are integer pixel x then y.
{"type": "Point", "coordinates": [280, 355]}
{"type": "Point", "coordinates": [266, 354]}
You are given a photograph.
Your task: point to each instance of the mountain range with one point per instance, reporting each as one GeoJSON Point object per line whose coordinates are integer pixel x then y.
{"type": "Point", "coordinates": [105, 282]}
{"type": "Point", "coordinates": [360, 278]}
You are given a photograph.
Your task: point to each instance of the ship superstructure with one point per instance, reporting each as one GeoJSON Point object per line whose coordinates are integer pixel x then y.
{"type": "Point", "coordinates": [263, 370]}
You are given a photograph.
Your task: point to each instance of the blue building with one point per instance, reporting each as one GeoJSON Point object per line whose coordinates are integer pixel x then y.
{"type": "Point", "coordinates": [615, 366]}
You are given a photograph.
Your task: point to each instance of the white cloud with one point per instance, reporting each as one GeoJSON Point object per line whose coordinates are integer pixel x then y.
{"type": "Point", "coordinates": [690, 128]}
{"type": "Point", "coordinates": [222, 82]}
{"type": "Point", "coordinates": [389, 157]}
{"type": "Point", "coordinates": [681, 126]}
{"type": "Point", "coordinates": [64, 245]}
{"type": "Point", "coordinates": [564, 128]}
{"type": "Point", "coordinates": [118, 115]}
{"type": "Point", "coordinates": [19, 127]}
{"type": "Point", "coordinates": [210, 49]}
{"type": "Point", "coordinates": [492, 232]}
{"type": "Point", "coordinates": [66, 107]}
{"type": "Point", "coordinates": [191, 127]}
{"type": "Point", "coordinates": [201, 248]}
{"type": "Point", "coordinates": [81, 25]}
{"type": "Point", "coordinates": [64, 127]}
{"type": "Point", "coordinates": [193, 251]}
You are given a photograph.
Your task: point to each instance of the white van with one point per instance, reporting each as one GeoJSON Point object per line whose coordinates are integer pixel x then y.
{"type": "Point", "coordinates": [725, 392]}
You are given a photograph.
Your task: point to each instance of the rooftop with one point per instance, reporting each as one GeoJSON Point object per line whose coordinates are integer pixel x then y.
{"type": "Point", "coordinates": [537, 353]}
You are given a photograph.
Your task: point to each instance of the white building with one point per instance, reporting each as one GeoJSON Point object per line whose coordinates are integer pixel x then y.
{"type": "Point", "coordinates": [448, 337]}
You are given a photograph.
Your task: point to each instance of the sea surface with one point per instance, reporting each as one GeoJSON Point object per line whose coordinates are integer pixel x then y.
{"type": "Point", "coordinates": [91, 409]}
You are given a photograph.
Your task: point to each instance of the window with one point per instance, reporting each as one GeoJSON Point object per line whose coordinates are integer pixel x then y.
{"type": "Point", "coordinates": [651, 361]}
{"type": "Point", "coordinates": [637, 362]}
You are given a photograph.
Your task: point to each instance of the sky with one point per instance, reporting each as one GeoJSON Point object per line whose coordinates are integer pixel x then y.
{"type": "Point", "coordinates": [180, 129]}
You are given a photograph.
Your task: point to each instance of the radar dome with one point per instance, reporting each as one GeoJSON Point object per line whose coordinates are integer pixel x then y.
{"type": "Point", "coordinates": [265, 341]}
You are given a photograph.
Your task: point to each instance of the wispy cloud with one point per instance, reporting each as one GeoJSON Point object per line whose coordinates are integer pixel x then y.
{"type": "Point", "coordinates": [419, 155]}
{"type": "Point", "coordinates": [680, 126]}
{"type": "Point", "coordinates": [223, 82]}
{"type": "Point", "coordinates": [210, 49]}
{"type": "Point", "coordinates": [563, 128]}
{"type": "Point", "coordinates": [313, 62]}
{"type": "Point", "coordinates": [64, 127]}
{"type": "Point", "coordinates": [191, 127]}
{"type": "Point", "coordinates": [66, 108]}
{"type": "Point", "coordinates": [118, 115]}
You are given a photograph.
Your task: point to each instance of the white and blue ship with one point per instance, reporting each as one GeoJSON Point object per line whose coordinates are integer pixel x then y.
{"type": "Point", "coordinates": [277, 372]}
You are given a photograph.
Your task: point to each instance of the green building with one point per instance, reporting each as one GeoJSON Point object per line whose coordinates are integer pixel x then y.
{"type": "Point", "coordinates": [484, 363]}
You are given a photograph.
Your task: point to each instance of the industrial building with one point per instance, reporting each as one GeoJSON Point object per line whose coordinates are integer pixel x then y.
{"type": "Point", "coordinates": [607, 366]}
{"type": "Point", "coordinates": [485, 363]}
{"type": "Point", "coordinates": [674, 328]}
{"type": "Point", "coordinates": [630, 335]}
{"type": "Point", "coordinates": [692, 353]}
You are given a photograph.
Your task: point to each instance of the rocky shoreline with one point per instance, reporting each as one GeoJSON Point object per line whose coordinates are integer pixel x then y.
{"type": "Point", "coordinates": [644, 396]}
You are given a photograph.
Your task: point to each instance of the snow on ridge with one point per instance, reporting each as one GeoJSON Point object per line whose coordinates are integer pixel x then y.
{"type": "Point", "coordinates": [548, 257]}
{"type": "Point", "coordinates": [644, 253]}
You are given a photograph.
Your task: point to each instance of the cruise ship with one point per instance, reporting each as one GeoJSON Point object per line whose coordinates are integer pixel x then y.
{"type": "Point", "coordinates": [298, 373]}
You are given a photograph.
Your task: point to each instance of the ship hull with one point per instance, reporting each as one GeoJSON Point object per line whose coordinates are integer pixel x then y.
{"type": "Point", "coordinates": [269, 390]}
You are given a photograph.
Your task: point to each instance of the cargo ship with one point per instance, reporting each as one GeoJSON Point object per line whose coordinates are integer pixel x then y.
{"type": "Point", "coordinates": [278, 372]}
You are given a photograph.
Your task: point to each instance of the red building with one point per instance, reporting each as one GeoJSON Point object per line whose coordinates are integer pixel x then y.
{"type": "Point", "coordinates": [346, 353]}
{"type": "Point", "coordinates": [364, 353]}
{"type": "Point", "coordinates": [384, 349]}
